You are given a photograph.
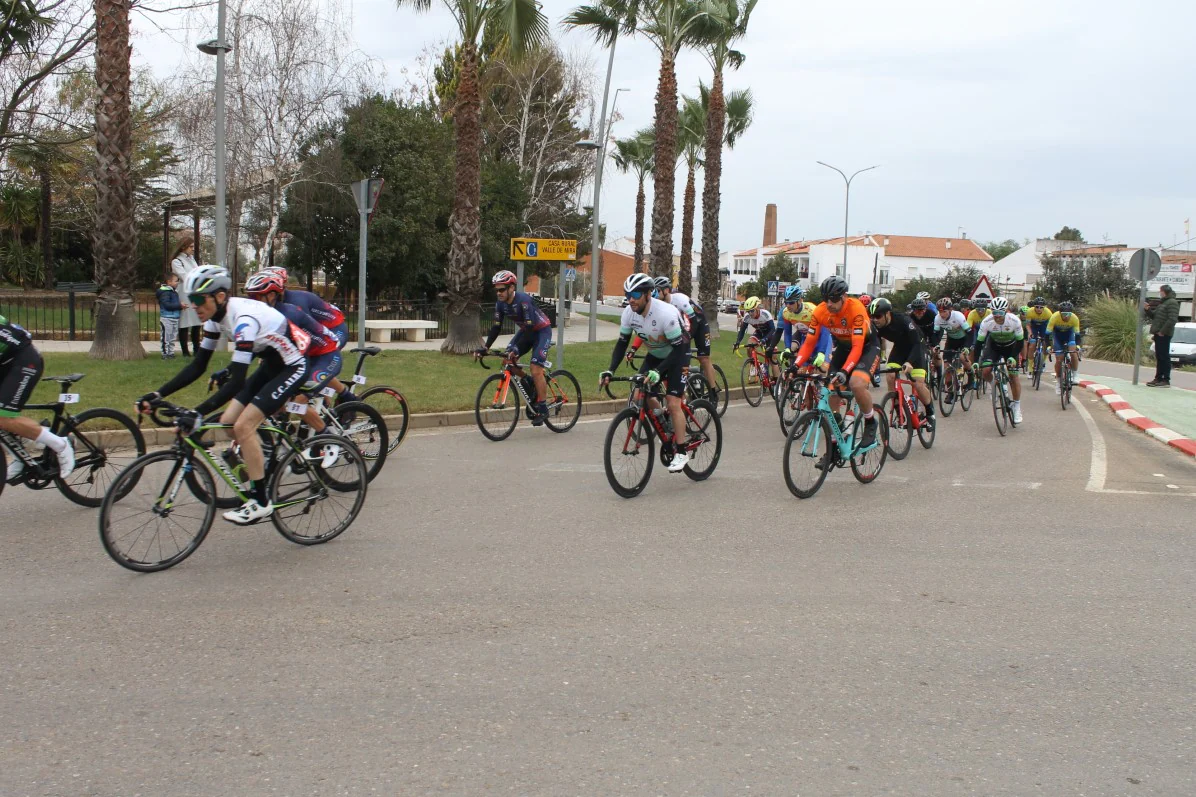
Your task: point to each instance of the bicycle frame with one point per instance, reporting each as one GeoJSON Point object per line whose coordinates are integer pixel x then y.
{"type": "Point", "coordinates": [904, 388]}
{"type": "Point", "coordinates": [762, 365]}
{"type": "Point", "coordinates": [814, 432]}
{"type": "Point", "coordinates": [639, 394]}
{"type": "Point", "coordinates": [33, 467]}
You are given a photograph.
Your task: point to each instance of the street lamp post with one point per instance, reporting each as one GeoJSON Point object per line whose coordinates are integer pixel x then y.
{"type": "Point", "coordinates": [846, 203]}
{"type": "Point", "coordinates": [218, 47]}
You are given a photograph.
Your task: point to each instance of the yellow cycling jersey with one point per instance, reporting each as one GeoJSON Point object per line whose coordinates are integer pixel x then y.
{"type": "Point", "coordinates": [975, 318]}
{"type": "Point", "coordinates": [802, 319]}
{"type": "Point", "coordinates": [1059, 322]}
{"type": "Point", "coordinates": [1036, 316]}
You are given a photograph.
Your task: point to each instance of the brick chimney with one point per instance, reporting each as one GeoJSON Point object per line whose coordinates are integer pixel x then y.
{"type": "Point", "coordinates": [770, 225]}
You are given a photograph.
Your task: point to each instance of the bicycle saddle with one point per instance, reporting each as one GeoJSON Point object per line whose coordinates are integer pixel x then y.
{"type": "Point", "coordinates": [66, 380]}
{"type": "Point", "coordinates": [370, 350]}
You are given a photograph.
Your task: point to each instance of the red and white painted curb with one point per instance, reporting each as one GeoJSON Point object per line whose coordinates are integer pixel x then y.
{"type": "Point", "coordinates": [1122, 409]}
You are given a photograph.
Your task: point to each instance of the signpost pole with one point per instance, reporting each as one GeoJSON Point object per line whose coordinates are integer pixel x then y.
{"type": "Point", "coordinates": [1138, 332]}
{"type": "Point", "coordinates": [362, 232]}
{"type": "Point", "coordinates": [1144, 266]}
{"type": "Point", "coordinates": [560, 316]}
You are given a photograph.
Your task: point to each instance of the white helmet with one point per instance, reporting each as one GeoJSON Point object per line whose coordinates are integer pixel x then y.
{"type": "Point", "coordinates": [923, 295]}
{"type": "Point", "coordinates": [207, 279]}
{"type": "Point", "coordinates": [638, 282]}
{"type": "Point", "coordinates": [999, 305]}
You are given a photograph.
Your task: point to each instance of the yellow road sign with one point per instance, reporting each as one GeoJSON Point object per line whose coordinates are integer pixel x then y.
{"type": "Point", "coordinates": [543, 249]}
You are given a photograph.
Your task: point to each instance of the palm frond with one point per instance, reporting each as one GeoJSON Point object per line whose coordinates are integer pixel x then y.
{"type": "Point", "coordinates": [603, 24]}
{"type": "Point", "coordinates": [522, 22]}
{"type": "Point", "coordinates": [740, 107]}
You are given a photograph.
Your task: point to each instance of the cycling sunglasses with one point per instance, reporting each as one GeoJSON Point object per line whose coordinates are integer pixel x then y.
{"type": "Point", "coordinates": [635, 294]}
{"type": "Point", "coordinates": [793, 301]}
{"type": "Point", "coordinates": [197, 298]}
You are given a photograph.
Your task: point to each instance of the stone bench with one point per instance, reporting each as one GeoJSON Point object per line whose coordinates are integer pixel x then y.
{"type": "Point", "coordinates": [380, 331]}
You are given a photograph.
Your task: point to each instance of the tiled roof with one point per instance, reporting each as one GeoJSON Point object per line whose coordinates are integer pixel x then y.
{"type": "Point", "coordinates": [894, 246]}
{"type": "Point", "coordinates": [1086, 251]}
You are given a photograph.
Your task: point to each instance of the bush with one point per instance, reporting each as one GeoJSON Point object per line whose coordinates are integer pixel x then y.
{"type": "Point", "coordinates": [1111, 325]}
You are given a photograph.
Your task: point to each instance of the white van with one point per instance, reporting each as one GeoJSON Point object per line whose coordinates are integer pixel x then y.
{"type": "Point", "coordinates": [1183, 344]}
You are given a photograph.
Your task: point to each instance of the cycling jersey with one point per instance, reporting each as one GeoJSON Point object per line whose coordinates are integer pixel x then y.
{"type": "Point", "coordinates": [1037, 319]}
{"type": "Point", "coordinates": [254, 328]}
{"type": "Point", "coordinates": [1058, 323]}
{"type": "Point", "coordinates": [975, 319]}
{"type": "Point", "coordinates": [312, 337]}
{"type": "Point", "coordinates": [926, 321]}
{"type": "Point", "coordinates": [523, 311]}
{"type": "Point", "coordinates": [13, 339]}
{"type": "Point", "coordinates": [661, 327]}
{"type": "Point", "coordinates": [687, 306]}
{"type": "Point", "coordinates": [327, 314]}
{"type": "Point", "coordinates": [762, 325]}
{"type": "Point", "coordinates": [902, 330]}
{"type": "Point", "coordinates": [850, 327]}
{"type": "Point", "coordinates": [796, 321]}
{"type": "Point", "coordinates": [955, 325]}
{"type": "Point", "coordinates": [1002, 334]}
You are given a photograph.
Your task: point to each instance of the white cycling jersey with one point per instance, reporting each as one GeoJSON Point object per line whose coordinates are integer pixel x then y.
{"type": "Point", "coordinates": [955, 324]}
{"type": "Point", "coordinates": [763, 320]}
{"type": "Point", "coordinates": [1004, 333]}
{"type": "Point", "coordinates": [661, 327]}
{"type": "Point", "coordinates": [682, 303]}
{"type": "Point", "coordinates": [247, 321]}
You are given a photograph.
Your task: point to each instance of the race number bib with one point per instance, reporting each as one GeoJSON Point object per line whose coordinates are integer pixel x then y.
{"type": "Point", "coordinates": [328, 391]}
{"type": "Point", "coordinates": [68, 398]}
{"type": "Point", "coordinates": [358, 379]}
{"type": "Point", "coordinates": [296, 407]}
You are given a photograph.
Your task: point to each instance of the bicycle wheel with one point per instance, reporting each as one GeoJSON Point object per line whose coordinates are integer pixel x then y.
{"type": "Point", "coordinates": [628, 461]}
{"type": "Point", "coordinates": [999, 415]}
{"type": "Point", "coordinates": [695, 387]}
{"type": "Point", "coordinates": [724, 393]}
{"type": "Point", "coordinates": [366, 429]}
{"type": "Point", "coordinates": [866, 465]}
{"type": "Point", "coordinates": [949, 394]}
{"type": "Point", "coordinates": [791, 404]}
{"type": "Point", "coordinates": [226, 496]}
{"type": "Point", "coordinates": [392, 406]}
{"type": "Point", "coordinates": [106, 442]}
{"type": "Point", "coordinates": [707, 430]}
{"type": "Point", "coordinates": [1037, 377]}
{"type": "Point", "coordinates": [564, 401]}
{"type": "Point", "coordinates": [901, 427]}
{"type": "Point", "coordinates": [749, 379]}
{"type": "Point", "coordinates": [928, 430]}
{"type": "Point", "coordinates": [496, 408]}
{"type": "Point", "coordinates": [3, 469]}
{"type": "Point", "coordinates": [314, 500]}
{"type": "Point", "coordinates": [149, 520]}
{"type": "Point", "coordinates": [965, 397]}
{"type": "Point", "coordinates": [1065, 386]}
{"type": "Point", "coordinates": [809, 454]}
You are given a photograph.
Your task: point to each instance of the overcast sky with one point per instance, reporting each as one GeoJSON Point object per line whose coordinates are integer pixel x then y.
{"type": "Point", "coordinates": [1008, 120]}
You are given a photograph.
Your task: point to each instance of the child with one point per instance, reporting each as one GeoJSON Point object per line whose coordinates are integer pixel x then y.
{"type": "Point", "coordinates": [171, 309]}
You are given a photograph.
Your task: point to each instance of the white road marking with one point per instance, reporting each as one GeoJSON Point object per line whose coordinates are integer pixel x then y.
{"type": "Point", "coordinates": [1099, 468]}
{"type": "Point", "coordinates": [1161, 475]}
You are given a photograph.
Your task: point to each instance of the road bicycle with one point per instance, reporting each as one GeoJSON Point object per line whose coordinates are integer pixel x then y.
{"type": "Point", "coordinates": [387, 400]}
{"type": "Point", "coordinates": [699, 388]}
{"type": "Point", "coordinates": [756, 376]}
{"type": "Point", "coordinates": [1002, 411]}
{"type": "Point", "coordinates": [800, 395]}
{"type": "Point", "coordinates": [902, 408]}
{"type": "Point", "coordinates": [955, 387]}
{"type": "Point", "coordinates": [496, 408]}
{"type": "Point", "coordinates": [632, 435]}
{"type": "Point", "coordinates": [160, 508]}
{"type": "Point", "coordinates": [817, 445]}
{"type": "Point", "coordinates": [695, 384]}
{"type": "Point", "coordinates": [105, 442]}
{"type": "Point", "coordinates": [1042, 355]}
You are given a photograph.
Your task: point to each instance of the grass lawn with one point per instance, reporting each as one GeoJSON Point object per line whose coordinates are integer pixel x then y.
{"type": "Point", "coordinates": [432, 382]}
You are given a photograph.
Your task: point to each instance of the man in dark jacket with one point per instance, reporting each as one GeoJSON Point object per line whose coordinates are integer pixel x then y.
{"type": "Point", "coordinates": [1162, 326]}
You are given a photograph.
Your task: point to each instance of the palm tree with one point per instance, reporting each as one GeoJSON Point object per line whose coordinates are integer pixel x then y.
{"type": "Point", "coordinates": [691, 139]}
{"type": "Point", "coordinates": [635, 154]}
{"type": "Point", "coordinates": [114, 244]}
{"type": "Point", "coordinates": [670, 25]}
{"type": "Point", "coordinates": [522, 25]}
{"type": "Point", "coordinates": [731, 17]}
{"type": "Point", "coordinates": [18, 212]}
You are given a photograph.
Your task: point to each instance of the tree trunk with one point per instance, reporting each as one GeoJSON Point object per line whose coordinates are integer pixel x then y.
{"type": "Point", "coordinates": [664, 168]}
{"type": "Point", "coordinates": [463, 277]}
{"type": "Point", "coordinates": [640, 199]}
{"type": "Point", "coordinates": [685, 281]}
{"type": "Point", "coordinates": [43, 175]}
{"type": "Point", "coordinates": [708, 277]}
{"type": "Point", "coordinates": [114, 236]}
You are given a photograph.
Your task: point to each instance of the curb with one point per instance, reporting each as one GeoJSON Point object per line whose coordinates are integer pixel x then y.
{"type": "Point", "coordinates": [1122, 409]}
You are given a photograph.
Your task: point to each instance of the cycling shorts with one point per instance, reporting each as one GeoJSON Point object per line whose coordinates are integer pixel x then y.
{"type": "Point", "coordinates": [272, 384]}
{"type": "Point", "coordinates": [959, 344]}
{"type": "Point", "coordinates": [536, 341]}
{"type": "Point", "coordinates": [869, 359]}
{"type": "Point", "coordinates": [914, 354]}
{"type": "Point", "coordinates": [321, 370]}
{"type": "Point", "coordinates": [1038, 329]}
{"type": "Point", "coordinates": [17, 380]}
{"type": "Point", "coordinates": [699, 331]}
{"type": "Point", "coordinates": [1063, 338]}
{"type": "Point", "coordinates": [670, 370]}
{"type": "Point", "coordinates": [994, 351]}
{"type": "Point", "coordinates": [342, 332]}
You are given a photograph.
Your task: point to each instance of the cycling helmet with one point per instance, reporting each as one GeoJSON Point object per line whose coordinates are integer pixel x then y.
{"type": "Point", "coordinates": [999, 305]}
{"type": "Point", "coordinates": [751, 303]}
{"type": "Point", "coordinates": [918, 304]}
{"type": "Point", "coordinates": [265, 282]}
{"type": "Point", "coordinates": [924, 295]}
{"type": "Point", "coordinates": [1024, 309]}
{"type": "Point", "coordinates": [866, 299]}
{"type": "Point", "coordinates": [965, 304]}
{"type": "Point", "coordinates": [833, 288]}
{"type": "Point", "coordinates": [637, 283]}
{"type": "Point", "coordinates": [944, 303]}
{"type": "Point", "coordinates": [662, 283]}
{"type": "Point", "coordinates": [980, 303]}
{"type": "Point", "coordinates": [879, 307]}
{"type": "Point", "coordinates": [1038, 301]}
{"type": "Point", "coordinates": [207, 279]}
{"type": "Point", "coordinates": [504, 278]}
{"type": "Point", "coordinates": [793, 293]}
{"type": "Point", "coordinates": [280, 271]}
{"type": "Point", "coordinates": [1066, 307]}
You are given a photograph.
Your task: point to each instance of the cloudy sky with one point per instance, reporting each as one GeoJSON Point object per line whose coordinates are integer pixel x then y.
{"type": "Point", "coordinates": [1005, 120]}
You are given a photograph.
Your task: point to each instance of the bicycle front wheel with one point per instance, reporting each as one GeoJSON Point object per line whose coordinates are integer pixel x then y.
{"type": "Point", "coordinates": [628, 454]}
{"type": "Point", "coordinates": [106, 442]}
{"type": "Point", "coordinates": [1065, 388]}
{"type": "Point", "coordinates": [867, 464]}
{"type": "Point", "coordinates": [564, 401]}
{"type": "Point", "coordinates": [791, 404]}
{"type": "Point", "coordinates": [392, 406]}
{"type": "Point", "coordinates": [496, 409]}
{"type": "Point", "coordinates": [724, 393]}
{"type": "Point", "coordinates": [809, 454]}
{"type": "Point", "coordinates": [965, 396]}
{"type": "Point", "coordinates": [749, 379]}
{"type": "Point", "coordinates": [150, 519]}
{"type": "Point", "coordinates": [365, 428]}
{"type": "Point", "coordinates": [704, 432]}
{"type": "Point", "coordinates": [901, 427]}
{"type": "Point", "coordinates": [999, 413]}
{"type": "Point", "coordinates": [949, 394]}
{"type": "Point", "coordinates": [318, 490]}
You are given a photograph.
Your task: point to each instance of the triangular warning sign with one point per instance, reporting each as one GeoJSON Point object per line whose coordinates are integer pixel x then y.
{"type": "Point", "coordinates": [983, 289]}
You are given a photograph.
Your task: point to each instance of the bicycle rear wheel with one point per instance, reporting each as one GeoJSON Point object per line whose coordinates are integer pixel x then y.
{"type": "Point", "coordinates": [706, 428]}
{"type": "Point", "coordinates": [496, 409]}
{"type": "Point", "coordinates": [106, 442]}
{"type": "Point", "coordinates": [366, 429]}
{"type": "Point", "coordinates": [724, 393]}
{"type": "Point", "coordinates": [315, 500]}
{"type": "Point", "coordinates": [149, 519]}
{"type": "Point", "coordinates": [928, 429]}
{"type": "Point", "coordinates": [901, 427]}
{"type": "Point", "coordinates": [791, 404]}
{"type": "Point", "coordinates": [749, 379]}
{"type": "Point", "coordinates": [392, 406]}
{"type": "Point", "coordinates": [627, 458]}
{"type": "Point", "coordinates": [564, 401]}
{"type": "Point", "coordinates": [866, 465]}
{"type": "Point", "coordinates": [809, 454]}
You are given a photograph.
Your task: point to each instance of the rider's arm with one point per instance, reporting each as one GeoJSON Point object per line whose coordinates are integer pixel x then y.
{"type": "Point", "coordinates": [492, 335]}
{"type": "Point", "coordinates": [807, 346]}
{"type": "Point", "coordinates": [743, 325]}
{"type": "Point", "coordinates": [616, 356]}
{"type": "Point", "coordinates": [859, 333]}
{"type": "Point", "coordinates": [194, 369]}
{"type": "Point", "coordinates": [775, 338]}
{"type": "Point", "coordinates": [825, 344]}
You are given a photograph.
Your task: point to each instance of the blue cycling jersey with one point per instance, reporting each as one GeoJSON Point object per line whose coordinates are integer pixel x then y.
{"type": "Point", "coordinates": [523, 311]}
{"type": "Point", "coordinates": [327, 314]}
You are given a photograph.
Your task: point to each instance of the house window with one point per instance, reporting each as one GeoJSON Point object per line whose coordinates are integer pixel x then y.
{"type": "Point", "coordinates": [841, 269]}
{"type": "Point", "coordinates": [884, 276]}
{"type": "Point", "coordinates": [932, 272]}
{"type": "Point", "coordinates": [913, 272]}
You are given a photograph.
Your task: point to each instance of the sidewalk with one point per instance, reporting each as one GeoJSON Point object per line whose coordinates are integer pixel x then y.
{"type": "Point", "coordinates": [1172, 408]}
{"type": "Point", "coordinates": [1102, 369]}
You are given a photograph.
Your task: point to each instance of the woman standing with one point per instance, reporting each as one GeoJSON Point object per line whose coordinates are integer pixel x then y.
{"type": "Point", "coordinates": [182, 263]}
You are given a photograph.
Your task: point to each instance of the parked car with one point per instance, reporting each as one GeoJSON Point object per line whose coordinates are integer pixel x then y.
{"type": "Point", "coordinates": [728, 305]}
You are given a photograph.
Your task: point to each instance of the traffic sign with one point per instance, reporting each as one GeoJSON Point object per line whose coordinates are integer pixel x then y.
{"type": "Point", "coordinates": [570, 274]}
{"type": "Point", "coordinates": [774, 287]}
{"type": "Point", "coordinates": [1147, 260]}
{"type": "Point", "coordinates": [983, 289]}
{"type": "Point", "coordinates": [543, 249]}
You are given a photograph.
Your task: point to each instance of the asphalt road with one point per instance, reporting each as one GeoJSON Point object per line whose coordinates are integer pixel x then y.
{"type": "Point", "coordinates": [998, 616]}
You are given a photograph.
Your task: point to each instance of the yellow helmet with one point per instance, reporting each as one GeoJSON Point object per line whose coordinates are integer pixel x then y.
{"type": "Point", "coordinates": [751, 303]}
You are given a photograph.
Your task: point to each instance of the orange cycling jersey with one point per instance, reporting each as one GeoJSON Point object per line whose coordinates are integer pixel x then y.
{"type": "Point", "coordinates": [851, 325]}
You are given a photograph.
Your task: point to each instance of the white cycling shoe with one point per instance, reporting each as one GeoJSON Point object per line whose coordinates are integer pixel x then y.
{"type": "Point", "coordinates": [680, 460]}
{"type": "Point", "coordinates": [249, 512]}
{"type": "Point", "coordinates": [66, 460]}
{"type": "Point", "coordinates": [1017, 413]}
{"type": "Point", "coordinates": [1058, 390]}
{"type": "Point", "coordinates": [327, 455]}
{"type": "Point", "coordinates": [15, 468]}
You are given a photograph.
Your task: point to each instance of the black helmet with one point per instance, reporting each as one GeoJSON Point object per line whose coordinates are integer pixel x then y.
{"type": "Point", "coordinates": [879, 307]}
{"type": "Point", "coordinates": [833, 288]}
{"type": "Point", "coordinates": [1066, 307]}
{"type": "Point", "coordinates": [965, 304]}
{"type": "Point", "coordinates": [1038, 301]}
{"type": "Point", "coordinates": [917, 304]}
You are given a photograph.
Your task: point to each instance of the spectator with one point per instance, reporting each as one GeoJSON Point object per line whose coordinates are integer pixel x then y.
{"type": "Point", "coordinates": [183, 262]}
{"type": "Point", "coordinates": [1162, 326]}
{"type": "Point", "coordinates": [169, 310]}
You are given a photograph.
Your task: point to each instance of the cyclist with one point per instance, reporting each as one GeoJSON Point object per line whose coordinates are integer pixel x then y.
{"type": "Point", "coordinates": [795, 324]}
{"type": "Point", "coordinates": [762, 323]}
{"type": "Point", "coordinates": [978, 313]}
{"type": "Point", "coordinates": [1063, 329]}
{"type": "Point", "coordinates": [663, 327]}
{"type": "Point", "coordinates": [923, 312]}
{"type": "Point", "coordinates": [1037, 319]}
{"type": "Point", "coordinates": [534, 335]}
{"type": "Point", "coordinates": [857, 347]}
{"type": "Point", "coordinates": [909, 346]}
{"type": "Point", "coordinates": [20, 367]}
{"type": "Point", "coordinates": [256, 331]}
{"type": "Point", "coordinates": [959, 334]}
{"type": "Point", "coordinates": [699, 328]}
{"type": "Point", "coordinates": [1001, 336]}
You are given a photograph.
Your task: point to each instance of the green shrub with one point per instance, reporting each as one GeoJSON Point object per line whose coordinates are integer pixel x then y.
{"type": "Point", "coordinates": [1111, 326]}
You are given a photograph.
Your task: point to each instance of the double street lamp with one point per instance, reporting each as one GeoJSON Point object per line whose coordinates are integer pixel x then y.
{"type": "Point", "coordinates": [846, 203]}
